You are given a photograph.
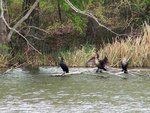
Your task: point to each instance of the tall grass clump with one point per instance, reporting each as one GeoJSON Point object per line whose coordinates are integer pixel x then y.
{"type": "Point", "coordinates": [3, 60]}
{"type": "Point", "coordinates": [135, 49]}
{"type": "Point", "coordinates": [4, 55]}
{"type": "Point", "coordinates": [78, 56]}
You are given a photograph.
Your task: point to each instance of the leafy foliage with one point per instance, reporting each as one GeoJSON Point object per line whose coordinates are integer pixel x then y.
{"type": "Point", "coordinates": [118, 14]}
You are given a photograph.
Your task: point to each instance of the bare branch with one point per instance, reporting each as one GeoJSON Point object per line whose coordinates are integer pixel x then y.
{"type": "Point", "coordinates": [40, 29]}
{"type": "Point", "coordinates": [33, 37]}
{"type": "Point", "coordinates": [19, 22]}
{"type": "Point", "coordinates": [91, 16]}
{"type": "Point", "coordinates": [23, 19]}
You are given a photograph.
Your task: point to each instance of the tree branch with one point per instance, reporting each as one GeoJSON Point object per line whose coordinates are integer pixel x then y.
{"type": "Point", "coordinates": [34, 27]}
{"type": "Point", "coordinates": [13, 29]}
{"type": "Point", "coordinates": [23, 19]}
{"type": "Point", "coordinates": [91, 16]}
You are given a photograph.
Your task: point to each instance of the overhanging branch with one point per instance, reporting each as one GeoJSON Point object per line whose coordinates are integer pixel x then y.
{"type": "Point", "coordinates": [13, 29]}
{"type": "Point", "coordinates": [23, 19]}
{"type": "Point", "coordinates": [91, 16]}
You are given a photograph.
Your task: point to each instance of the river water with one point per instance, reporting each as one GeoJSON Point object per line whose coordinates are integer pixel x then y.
{"type": "Point", "coordinates": [38, 92]}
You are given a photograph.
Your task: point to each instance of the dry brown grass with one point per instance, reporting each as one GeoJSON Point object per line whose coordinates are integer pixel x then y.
{"type": "Point", "coordinates": [78, 57]}
{"type": "Point", "coordinates": [3, 60]}
{"type": "Point", "coordinates": [136, 50]}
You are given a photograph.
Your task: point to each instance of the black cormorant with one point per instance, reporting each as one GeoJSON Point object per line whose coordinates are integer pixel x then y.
{"type": "Point", "coordinates": [101, 64]}
{"type": "Point", "coordinates": [63, 66]}
{"type": "Point", "coordinates": [124, 65]}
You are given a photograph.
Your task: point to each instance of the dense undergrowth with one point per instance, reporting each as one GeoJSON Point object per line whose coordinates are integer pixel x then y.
{"type": "Point", "coordinates": [60, 32]}
{"type": "Point", "coordinates": [135, 49]}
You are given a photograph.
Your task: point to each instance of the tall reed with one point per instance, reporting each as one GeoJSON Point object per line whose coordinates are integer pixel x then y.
{"type": "Point", "coordinates": [78, 57]}
{"type": "Point", "coordinates": [135, 49]}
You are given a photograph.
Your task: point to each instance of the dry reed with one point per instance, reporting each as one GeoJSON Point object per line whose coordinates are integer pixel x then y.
{"type": "Point", "coordinates": [135, 49]}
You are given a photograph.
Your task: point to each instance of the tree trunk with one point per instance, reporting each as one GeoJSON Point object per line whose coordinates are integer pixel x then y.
{"type": "Point", "coordinates": [33, 19]}
{"type": "Point", "coordinates": [3, 28]}
{"type": "Point", "coordinates": [28, 32]}
{"type": "Point", "coordinates": [97, 35]}
{"type": "Point", "coordinates": [59, 10]}
{"type": "Point", "coordinates": [91, 30]}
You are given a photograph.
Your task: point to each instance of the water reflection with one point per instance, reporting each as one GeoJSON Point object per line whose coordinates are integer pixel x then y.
{"type": "Point", "coordinates": [24, 92]}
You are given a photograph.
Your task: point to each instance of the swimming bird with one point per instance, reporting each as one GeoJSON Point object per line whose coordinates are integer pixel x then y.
{"type": "Point", "coordinates": [124, 65]}
{"type": "Point", "coordinates": [63, 66]}
{"type": "Point", "coordinates": [100, 64]}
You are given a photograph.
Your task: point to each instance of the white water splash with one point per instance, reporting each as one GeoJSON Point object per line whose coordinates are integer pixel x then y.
{"type": "Point", "coordinates": [92, 71]}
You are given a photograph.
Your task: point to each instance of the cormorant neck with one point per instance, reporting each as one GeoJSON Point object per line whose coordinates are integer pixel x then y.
{"type": "Point", "coordinates": [96, 61]}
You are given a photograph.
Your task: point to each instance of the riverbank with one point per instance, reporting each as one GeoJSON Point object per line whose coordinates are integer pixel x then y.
{"type": "Point", "coordinates": [134, 48]}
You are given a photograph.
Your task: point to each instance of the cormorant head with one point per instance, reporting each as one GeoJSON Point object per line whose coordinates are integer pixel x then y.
{"type": "Point", "coordinates": [124, 61]}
